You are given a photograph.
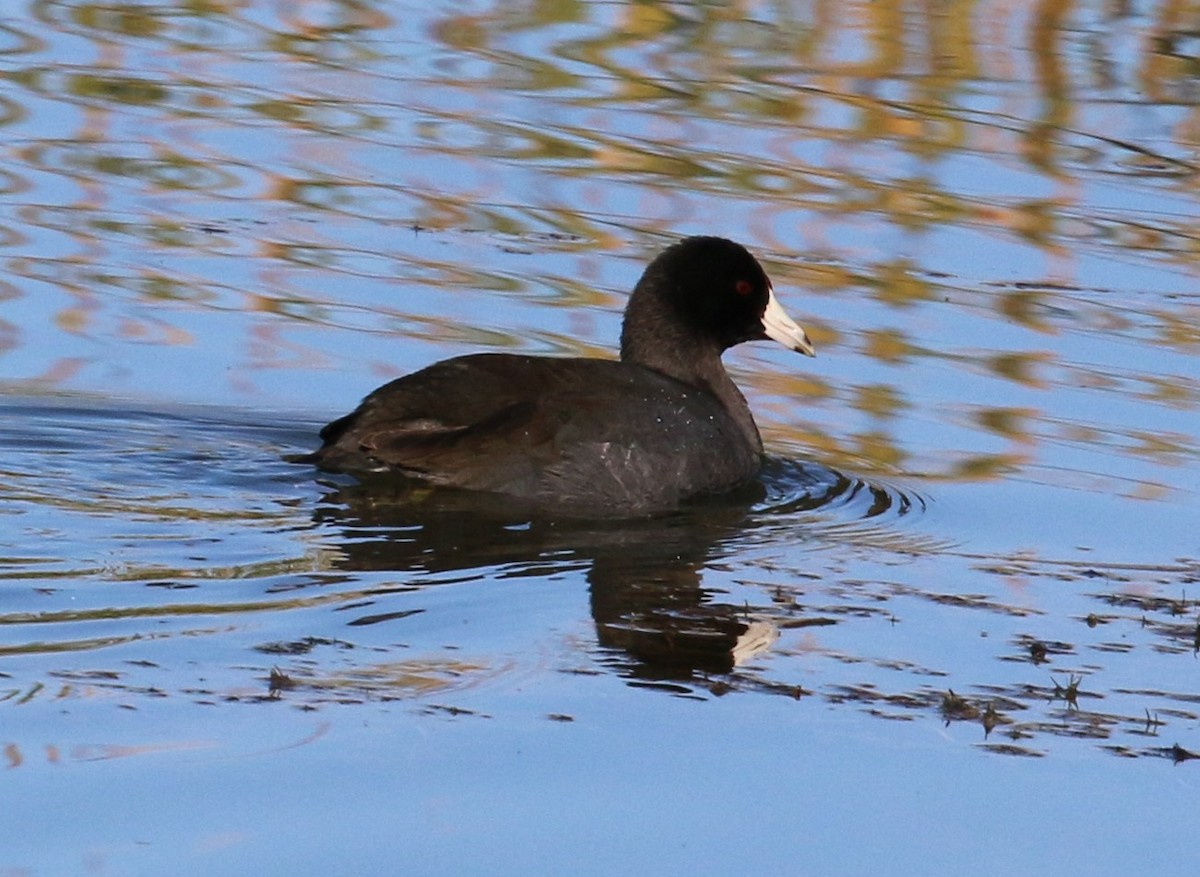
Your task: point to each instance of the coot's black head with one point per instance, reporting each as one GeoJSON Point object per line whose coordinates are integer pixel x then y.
{"type": "Point", "coordinates": [698, 298]}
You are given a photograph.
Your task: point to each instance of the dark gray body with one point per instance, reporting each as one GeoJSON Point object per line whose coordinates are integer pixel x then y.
{"type": "Point", "coordinates": [583, 434]}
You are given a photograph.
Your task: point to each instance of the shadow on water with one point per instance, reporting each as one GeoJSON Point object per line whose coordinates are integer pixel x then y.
{"type": "Point", "coordinates": [648, 599]}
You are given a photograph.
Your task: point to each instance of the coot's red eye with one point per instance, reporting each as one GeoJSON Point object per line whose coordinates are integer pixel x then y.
{"type": "Point", "coordinates": [744, 287]}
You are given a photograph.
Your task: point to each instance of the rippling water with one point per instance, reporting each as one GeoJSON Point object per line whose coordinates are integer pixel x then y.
{"type": "Point", "coordinates": [965, 582]}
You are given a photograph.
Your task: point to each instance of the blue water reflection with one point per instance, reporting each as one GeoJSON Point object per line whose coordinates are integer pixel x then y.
{"type": "Point", "coordinates": [970, 569]}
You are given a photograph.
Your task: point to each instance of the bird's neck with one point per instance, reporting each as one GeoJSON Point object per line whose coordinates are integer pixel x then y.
{"type": "Point", "coordinates": [671, 350]}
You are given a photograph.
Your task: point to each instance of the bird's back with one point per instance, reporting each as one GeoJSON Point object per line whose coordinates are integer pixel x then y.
{"type": "Point", "coordinates": [576, 433]}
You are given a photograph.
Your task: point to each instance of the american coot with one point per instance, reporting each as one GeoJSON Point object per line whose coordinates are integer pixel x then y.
{"type": "Point", "coordinates": [660, 426]}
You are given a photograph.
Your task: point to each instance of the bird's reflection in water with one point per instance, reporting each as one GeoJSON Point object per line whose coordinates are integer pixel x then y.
{"type": "Point", "coordinates": [652, 611]}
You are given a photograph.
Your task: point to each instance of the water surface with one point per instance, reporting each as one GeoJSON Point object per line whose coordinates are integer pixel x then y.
{"type": "Point", "coordinates": [956, 625]}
